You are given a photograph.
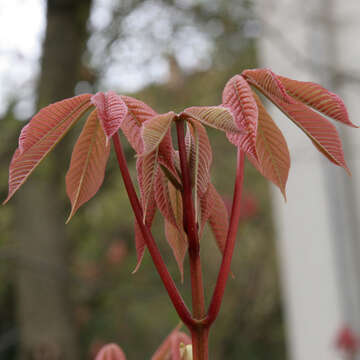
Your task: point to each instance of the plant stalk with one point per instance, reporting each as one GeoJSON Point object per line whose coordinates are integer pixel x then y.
{"type": "Point", "coordinates": [223, 275]}
{"type": "Point", "coordinates": [200, 343]}
{"type": "Point", "coordinates": [190, 226]}
{"type": "Point", "coordinates": [166, 278]}
{"type": "Point", "coordinates": [199, 333]}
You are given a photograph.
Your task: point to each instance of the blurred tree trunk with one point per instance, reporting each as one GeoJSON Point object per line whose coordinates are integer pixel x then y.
{"type": "Point", "coordinates": [44, 312]}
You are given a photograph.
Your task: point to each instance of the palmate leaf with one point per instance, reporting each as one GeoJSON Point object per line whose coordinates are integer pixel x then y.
{"type": "Point", "coordinates": [175, 235]}
{"type": "Point", "coordinates": [322, 133]}
{"type": "Point", "coordinates": [217, 117]}
{"type": "Point", "coordinates": [41, 135]}
{"type": "Point", "coordinates": [238, 97]}
{"type": "Point", "coordinates": [111, 111]}
{"type": "Point", "coordinates": [88, 162]}
{"type": "Point", "coordinates": [271, 148]}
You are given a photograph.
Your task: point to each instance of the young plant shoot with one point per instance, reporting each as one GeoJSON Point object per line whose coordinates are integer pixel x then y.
{"type": "Point", "coordinates": [175, 180]}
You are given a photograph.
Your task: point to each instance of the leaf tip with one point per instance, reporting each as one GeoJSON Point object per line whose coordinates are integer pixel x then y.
{"type": "Point", "coordinates": [9, 196]}
{"type": "Point", "coordinates": [137, 267]}
{"type": "Point", "coordinates": [182, 275]}
{"type": "Point", "coordinates": [72, 213]}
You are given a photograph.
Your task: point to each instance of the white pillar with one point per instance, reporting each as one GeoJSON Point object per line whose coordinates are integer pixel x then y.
{"type": "Point", "coordinates": [317, 229]}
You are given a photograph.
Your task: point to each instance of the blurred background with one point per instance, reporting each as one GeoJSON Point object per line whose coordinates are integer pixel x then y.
{"type": "Point", "coordinates": [67, 290]}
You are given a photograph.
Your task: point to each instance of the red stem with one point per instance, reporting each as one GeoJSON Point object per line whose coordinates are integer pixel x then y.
{"type": "Point", "coordinates": [169, 284]}
{"type": "Point", "coordinates": [200, 343]}
{"type": "Point", "coordinates": [199, 333]}
{"type": "Point", "coordinates": [230, 242]}
{"type": "Point", "coordinates": [190, 227]}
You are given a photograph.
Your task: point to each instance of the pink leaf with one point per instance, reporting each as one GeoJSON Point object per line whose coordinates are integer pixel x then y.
{"type": "Point", "coordinates": [268, 83]}
{"type": "Point", "coordinates": [150, 169]}
{"type": "Point", "coordinates": [112, 111]}
{"type": "Point", "coordinates": [41, 135]}
{"type": "Point", "coordinates": [138, 113]}
{"type": "Point", "coordinates": [170, 347]}
{"type": "Point", "coordinates": [88, 162]}
{"type": "Point", "coordinates": [318, 98]}
{"type": "Point", "coordinates": [156, 134]}
{"type": "Point", "coordinates": [162, 198]}
{"type": "Point", "coordinates": [273, 158]}
{"type": "Point", "coordinates": [200, 154]}
{"type": "Point", "coordinates": [175, 235]}
{"type": "Point", "coordinates": [214, 210]}
{"type": "Point", "coordinates": [149, 217]}
{"type": "Point", "coordinates": [111, 352]}
{"type": "Point", "coordinates": [23, 136]}
{"type": "Point", "coordinates": [217, 117]}
{"type": "Point", "coordinates": [322, 133]}
{"type": "Point", "coordinates": [154, 130]}
{"type": "Point", "coordinates": [238, 97]}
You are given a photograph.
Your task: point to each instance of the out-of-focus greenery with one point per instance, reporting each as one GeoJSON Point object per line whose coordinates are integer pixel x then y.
{"type": "Point", "coordinates": [111, 304]}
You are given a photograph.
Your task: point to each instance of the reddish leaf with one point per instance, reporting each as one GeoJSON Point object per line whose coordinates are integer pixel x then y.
{"type": "Point", "coordinates": [111, 110]}
{"type": "Point", "coordinates": [111, 352]}
{"type": "Point", "coordinates": [149, 171]}
{"type": "Point", "coordinates": [268, 83]}
{"type": "Point", "coordinates": [156, 134]}
{"type": "Point", "coordinates": [41, 135]}
{"type": "Point", "coordinates": [23, 137]}
{"type": "Point", "coordinates": [162, 198]}
{"type": "Point", "coordinates": [322, 133]}
{"type": "Point", "coordinates": [149, 217]}
{"type": "Point", "coordinates": [167, 159]}
{"type": "Point", "coordinates": [238, 97]}
{"type": "Point", "coordinates": [138, 112]}
{"type": "Point", "coordinates": [170, 347]}
{"type": "Point", "coordinates": [200, 154]}
{"type": "Point", "coordinates": [176, 236]}
{"type": "Point", "coordinates": [271, 148]}
{"type": "Point", "coordinates": [154, 130]}
{"type": "Point", "coordinates": [88, 162]}
{"type": "Point", "coordinates": [217, 117]}
{"type": "Point", "coordinates": [214, 210]}
{"type": "Point", "coordinates": [317, 97]}
{"type": "Point", "coordinates": [200, 159]}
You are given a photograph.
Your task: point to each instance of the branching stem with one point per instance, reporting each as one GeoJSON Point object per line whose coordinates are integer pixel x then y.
{"type": "Point", "coordinates": [223, 275]}
{"type": "Point", "coordinates": [199, 323]}
{"type": "Point", "coordinates": [169, 284]}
